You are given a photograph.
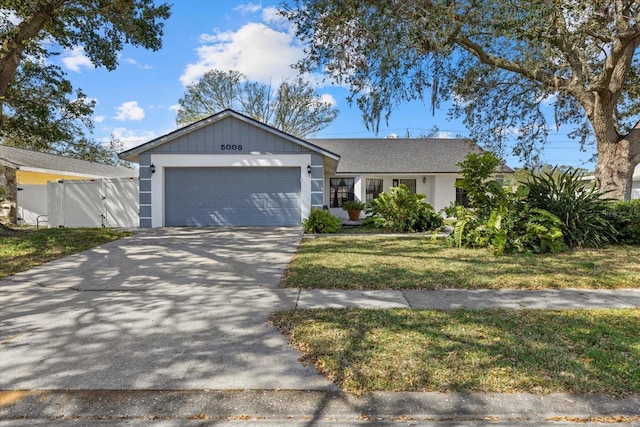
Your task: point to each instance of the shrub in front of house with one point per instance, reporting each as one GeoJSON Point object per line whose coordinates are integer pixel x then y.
{"type": "Point", "coordinates": [625, 217]}
{"type": "Point", "coordinates": [512, 227]}
{"type": "Point", "coordinates": [402, 212]}
{"type": "Point", "coordinates": [501, 218]}
{"type": "Point", "coordinates": [321, 221]}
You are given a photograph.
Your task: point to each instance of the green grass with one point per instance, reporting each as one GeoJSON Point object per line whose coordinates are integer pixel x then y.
{"type": "Point", "coordinates": [502, 351]}
{"type": "Point", "coordinates": [418, 262]}
{"type": "Point", "coordinates": [31, 248]}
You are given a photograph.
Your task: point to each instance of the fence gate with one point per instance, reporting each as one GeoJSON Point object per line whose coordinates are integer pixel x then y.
{"type": "Point", "coordinates": [109, 202]}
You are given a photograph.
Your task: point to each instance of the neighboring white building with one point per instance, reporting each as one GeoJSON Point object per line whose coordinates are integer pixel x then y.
{"type": "Point", "coordinates": [231, 170]}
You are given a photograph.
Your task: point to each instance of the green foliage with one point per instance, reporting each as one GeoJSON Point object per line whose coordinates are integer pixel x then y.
{"type": "Point", "coordinates": [502, 64]}
{"type": "Point", "coordinates": [625, 218]}
{"type": "Point", "coordinates": [500, 218]}
{"type": "Point", "coordinates": [510, 229]}
{"type": "Point", "coordinates": [402, 212]}
{"type": "Point", "coordinates": [581, 207]}
{"type": "Point", "coordinates": [353, 205]}
{"type": "Point", "coordinates": [321, 221]}
{"type": "Point", "coordinates": [41, 112]}
{"type": "Point", "coordinates": [294, 107]}
{"type": "Point", "coordinates": [476, 170]}
{"type": "Point", "coordinates": [39, 109]}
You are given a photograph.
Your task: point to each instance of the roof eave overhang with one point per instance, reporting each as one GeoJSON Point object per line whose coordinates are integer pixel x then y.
{"type": "Point", "coordinates": [133, 155]}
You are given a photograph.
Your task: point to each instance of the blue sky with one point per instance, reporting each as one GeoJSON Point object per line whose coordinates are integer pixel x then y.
{"type": "Point", "coordinates": [137, 102]}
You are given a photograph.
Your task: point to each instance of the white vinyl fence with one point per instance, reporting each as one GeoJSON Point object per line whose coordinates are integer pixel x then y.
{"type": "Point", "coordinates": [108, 202]}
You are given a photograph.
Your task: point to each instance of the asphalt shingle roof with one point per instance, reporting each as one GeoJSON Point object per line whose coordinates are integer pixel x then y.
{"type": "Point", "coordinates": [400, 155]}
{"type": "Point", "coordinates": [18, 157]}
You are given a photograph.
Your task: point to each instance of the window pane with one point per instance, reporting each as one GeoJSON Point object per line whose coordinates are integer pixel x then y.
{"type": "Point", "coordinates": [341, 190]}
{"type": "Point", "coordinates": [410, 183]}
{"type": "Point", "coordinates": [462, 198]}
{"type": "Point", "coordinates": [374, 188]}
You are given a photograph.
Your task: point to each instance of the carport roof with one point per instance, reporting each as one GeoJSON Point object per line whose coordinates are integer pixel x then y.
{"type": "Point", "coordinates": [133, 154]}
{"type": "Point", "coordinates": [401, 155]}
{"type": "Point", "coordinates": [20, 158]}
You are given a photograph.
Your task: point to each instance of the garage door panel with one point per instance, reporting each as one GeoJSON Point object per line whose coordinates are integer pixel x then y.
{"type": "Point", "coordinates": [232, 196]}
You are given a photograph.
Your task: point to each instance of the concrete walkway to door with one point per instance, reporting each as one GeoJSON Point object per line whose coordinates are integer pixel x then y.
{"type": "Point", "coordinates": [164, 309]}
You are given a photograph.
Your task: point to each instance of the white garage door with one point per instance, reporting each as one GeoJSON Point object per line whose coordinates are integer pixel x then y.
{"type": "Point", "coordinates": [205, 197]}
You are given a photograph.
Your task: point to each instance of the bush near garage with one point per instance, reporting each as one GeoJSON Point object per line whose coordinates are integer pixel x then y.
{"type": "Point", "coordinates": [321, 221]}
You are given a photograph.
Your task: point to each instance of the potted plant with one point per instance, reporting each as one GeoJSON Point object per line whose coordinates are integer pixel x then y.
{"type": "Point", "coordinates": [353, 207]}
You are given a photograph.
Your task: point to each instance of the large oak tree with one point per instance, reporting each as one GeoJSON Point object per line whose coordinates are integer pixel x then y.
{"type": "Point", "coordinates": [38, 106]}
{"type": "Point", "coordinates": [39, 109]}
{"type": "Point", "coordinates": [500, 61]}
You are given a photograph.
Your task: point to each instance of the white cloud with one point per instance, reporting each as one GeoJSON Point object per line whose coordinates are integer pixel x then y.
{"type": "Point", "coordinates": [248, 8]}
{"type": "Point", "coordinates": [134, 62]}
{"type": "Point", "coordinates": [444, 134]}
{"type": "Point", "coordinates": [271, 15]}
{"type": "Point", "coordinates": [98, 119]}
{"type": "Point", "coordinates": [174, 107]}
{"type": "Point", "coordinates": [75, 58]}
{"type": "Point", "coordinates": [256, 50]}
{"type": "Point", "coordinates": [130, 138]}
{"type": "Point", "coordinates": [329, 99]}
{"type": "Point", "coordinates": [130, 111]}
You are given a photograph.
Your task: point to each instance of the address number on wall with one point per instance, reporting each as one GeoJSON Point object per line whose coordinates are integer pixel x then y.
{"type": "Point", "coordinates": [234, 147]}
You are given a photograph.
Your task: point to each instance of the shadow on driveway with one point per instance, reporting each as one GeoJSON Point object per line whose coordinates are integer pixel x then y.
{"type": "Point", "coordinates": [162, 310]}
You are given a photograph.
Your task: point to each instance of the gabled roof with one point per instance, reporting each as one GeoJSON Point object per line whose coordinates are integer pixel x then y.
{"type": "Point", "coordinates": [133, 154]}
{"type": "Point", "coordinates": [400, 155]}
{"type": "Point", "coordinates": [34, 160]}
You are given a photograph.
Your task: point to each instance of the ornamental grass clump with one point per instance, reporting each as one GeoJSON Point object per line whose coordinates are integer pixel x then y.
{"type": "Point", "coordinates": [584, 211]}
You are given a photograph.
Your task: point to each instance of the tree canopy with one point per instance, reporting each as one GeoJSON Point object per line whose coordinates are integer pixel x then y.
{"type": "Point", "coordinates": [293, 107]}
{"type": "Point", "coordinates": [39, 108]}
{"type": "Point", "coordinates": [500, 62]}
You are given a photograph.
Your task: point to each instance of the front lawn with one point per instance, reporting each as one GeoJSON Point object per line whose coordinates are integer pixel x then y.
{"type": "Point", "coordinates": [31, 248]}
{"type": "Point", "coordinates": [502, 351]}
{"type": "Point", "coordinates": [418, 262]}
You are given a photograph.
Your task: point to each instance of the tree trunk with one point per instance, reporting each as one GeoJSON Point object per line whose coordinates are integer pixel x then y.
{"type": "Point", "coordinates": [616, 162]}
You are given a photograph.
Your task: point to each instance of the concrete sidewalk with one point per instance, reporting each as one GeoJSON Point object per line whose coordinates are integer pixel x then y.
{"type": "Point", "coordinates": [449, 299]}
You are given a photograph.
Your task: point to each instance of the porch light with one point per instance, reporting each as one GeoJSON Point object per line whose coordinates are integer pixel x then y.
{"type": "Point", "coordinates": [152, 168]}
{"type": "Point", "coordinates": [424, 179]}
{"type": "Point", "coordinates": [309, 169]}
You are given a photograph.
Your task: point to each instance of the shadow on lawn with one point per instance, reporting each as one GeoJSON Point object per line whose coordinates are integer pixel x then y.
{"type": "Point", "coordinates": [540, 351]}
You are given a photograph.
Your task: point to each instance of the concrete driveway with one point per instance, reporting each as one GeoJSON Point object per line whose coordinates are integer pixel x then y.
{"type": "Point", "coordinates": [165, 309]}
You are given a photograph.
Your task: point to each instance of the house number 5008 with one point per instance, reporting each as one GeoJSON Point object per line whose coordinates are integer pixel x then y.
{"type": "Point", "coordinates": [224, 147]}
